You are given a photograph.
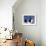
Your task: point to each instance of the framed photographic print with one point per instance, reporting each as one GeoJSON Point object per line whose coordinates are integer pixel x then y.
{"type": "Point", "coordinates": [29, 20]}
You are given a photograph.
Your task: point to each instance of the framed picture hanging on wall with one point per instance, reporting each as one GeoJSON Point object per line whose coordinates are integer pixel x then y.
{"type": "Point", "coordinates": [29, 20]}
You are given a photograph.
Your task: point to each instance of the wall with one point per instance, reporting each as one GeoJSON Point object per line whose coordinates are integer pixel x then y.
{"type": "Point", "coordinates": [43, 22]}
{"type": "Point", "coordinates": [6, 13]}
{"type": "Point", "coordinates": [28, 7]}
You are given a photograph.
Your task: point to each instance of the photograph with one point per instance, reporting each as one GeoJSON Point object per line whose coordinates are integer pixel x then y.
{"type": "Point", "coordinates": [29, 20]}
